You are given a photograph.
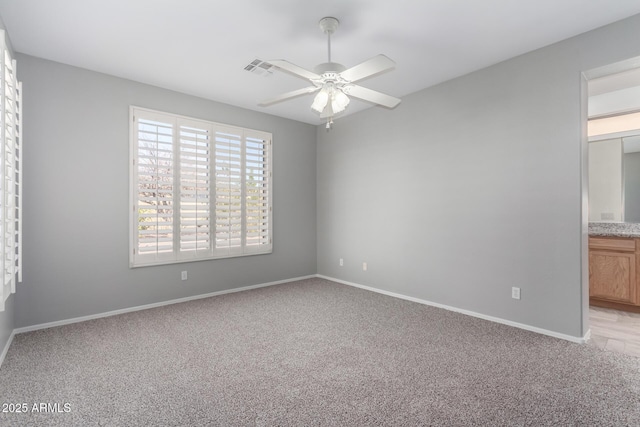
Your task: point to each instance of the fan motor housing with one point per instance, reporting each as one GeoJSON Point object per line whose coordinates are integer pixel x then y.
{"type": "Point", "coordinates": [329, 67]}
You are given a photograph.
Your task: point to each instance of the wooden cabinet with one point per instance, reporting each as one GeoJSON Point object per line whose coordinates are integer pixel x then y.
{"type": "Point", "coordinates": [614, 264]}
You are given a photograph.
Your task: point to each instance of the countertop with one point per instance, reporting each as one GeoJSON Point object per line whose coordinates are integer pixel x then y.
{"type": "Point", "coordinates": [614, 229]}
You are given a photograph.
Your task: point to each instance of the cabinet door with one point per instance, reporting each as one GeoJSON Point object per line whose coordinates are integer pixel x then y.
{"type": "Point", "coordinates": [612, 276]}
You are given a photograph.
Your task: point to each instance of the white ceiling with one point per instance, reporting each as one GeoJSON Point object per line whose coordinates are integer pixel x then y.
{"type": "Point", "coordinates": [200, 47]}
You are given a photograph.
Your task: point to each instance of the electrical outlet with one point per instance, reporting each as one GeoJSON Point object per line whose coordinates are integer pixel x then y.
{"type": "Point", "coordinates": [341, 262]}
{"type": "Point", "coordinates": [515, 293]}
{"type": "Point", "coordinates": [364, 266]}
{"type": "Point", "coordinates": [183, 275]}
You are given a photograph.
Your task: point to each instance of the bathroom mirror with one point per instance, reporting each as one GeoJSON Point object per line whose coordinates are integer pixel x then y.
{"type": "Point", "coordinates": [614, 179]}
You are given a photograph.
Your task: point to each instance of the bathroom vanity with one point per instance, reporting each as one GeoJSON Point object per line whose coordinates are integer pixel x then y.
{"type": "Point", "coordinates": [614, 265]}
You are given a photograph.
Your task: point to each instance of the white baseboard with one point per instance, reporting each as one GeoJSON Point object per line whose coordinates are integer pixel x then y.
{"type": "Point", "coordinates": [6, 347]}
{"type": "Point", "coordinates": [579, 340]}
{"type": "Point", "coordinates": [147, 306]}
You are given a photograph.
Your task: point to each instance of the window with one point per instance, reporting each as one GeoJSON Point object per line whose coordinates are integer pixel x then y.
{"type": "Point", "coordinates": [10, 173]}
{"type": "Point", "coordinates": [199, 190]}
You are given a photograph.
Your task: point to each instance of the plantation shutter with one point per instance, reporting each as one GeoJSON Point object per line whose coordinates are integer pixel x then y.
{"type": "Point", "coordinates": [18, 184]}
{"type": "Point", "coordinates": [257, 161]}
{"type": "Point", "coordinates": [195, 189]}
{"type": "Point", "coordinates": [199, 190]}
{"type": "Point", "coordinates": [154, 163]}
{"type": "Point", "coordinates": [10, 174]}
{"type": "Point", "coordinates": [229, 190]}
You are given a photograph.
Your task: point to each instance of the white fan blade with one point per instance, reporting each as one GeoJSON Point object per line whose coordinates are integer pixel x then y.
{"type": "Point", "coordinates": [369, 68]}
{"type": "Point", "coordinates": [290, 68]}
{"type": "Point", "coordinates": [289, 95]}
{"type": "Point", "coordinates": [371, 96]}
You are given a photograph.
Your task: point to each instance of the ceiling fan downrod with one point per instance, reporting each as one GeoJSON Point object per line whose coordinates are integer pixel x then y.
{"type": "Point", "coordinates": [329, 25]}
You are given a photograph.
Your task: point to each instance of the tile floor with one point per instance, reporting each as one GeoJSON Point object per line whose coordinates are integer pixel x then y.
{"type": "Point", "coordinates": [615, 330]}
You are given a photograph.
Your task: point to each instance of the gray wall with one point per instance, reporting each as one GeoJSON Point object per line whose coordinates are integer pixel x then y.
{"type": "Point", "coordinates": [471, 187]}
{"type": "Point", "coordinates": [76, 178]}
{"type": "Point", "coordinates": [632, 187]}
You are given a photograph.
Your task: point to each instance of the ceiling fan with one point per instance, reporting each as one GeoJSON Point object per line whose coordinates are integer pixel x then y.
{"type": "Point", "coordinates": [334, 82]}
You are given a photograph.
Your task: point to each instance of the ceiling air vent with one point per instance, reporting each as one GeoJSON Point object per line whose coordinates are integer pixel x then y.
{"type": "Point", "coordinates": [259, 67]}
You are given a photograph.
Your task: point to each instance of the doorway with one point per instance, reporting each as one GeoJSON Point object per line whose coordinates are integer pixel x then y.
{"type": "Point", "coordinates": [611, 187]}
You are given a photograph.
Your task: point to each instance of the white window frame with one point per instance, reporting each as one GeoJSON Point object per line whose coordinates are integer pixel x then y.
{"type": "Point", "coordinates": [220, 232]}
{"type": "Point", "coordinates": [10, 173]}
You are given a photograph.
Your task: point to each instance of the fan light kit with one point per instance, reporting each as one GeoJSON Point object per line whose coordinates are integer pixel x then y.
{"type": "Point", "coordinates": [334, 82]}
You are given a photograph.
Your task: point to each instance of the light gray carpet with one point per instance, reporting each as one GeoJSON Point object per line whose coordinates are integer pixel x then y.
{"type": "Point", "coordinates": [313, 353]}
